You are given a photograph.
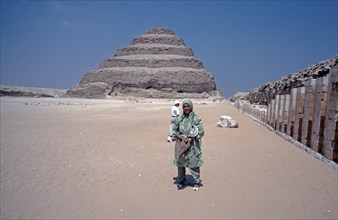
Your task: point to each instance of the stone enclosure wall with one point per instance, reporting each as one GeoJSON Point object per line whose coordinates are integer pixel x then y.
{"type": "Point", "coordinates": [308, 115]}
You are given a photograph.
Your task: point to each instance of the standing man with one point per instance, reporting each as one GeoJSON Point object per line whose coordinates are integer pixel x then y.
{"type": "Point", "coordinates": [189, 129]}
{"type": "Point", "coordinates": [175, 112]}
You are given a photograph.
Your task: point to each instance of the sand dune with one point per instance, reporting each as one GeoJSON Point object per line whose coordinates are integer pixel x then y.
{"type": "Point", "coordinates": [95, 159]}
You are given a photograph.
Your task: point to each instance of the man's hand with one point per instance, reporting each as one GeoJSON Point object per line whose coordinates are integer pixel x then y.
{"type": "Point", "coordinates": [179, 137]}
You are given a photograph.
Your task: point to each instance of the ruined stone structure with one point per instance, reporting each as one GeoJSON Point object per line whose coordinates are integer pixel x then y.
{"type": "Point", "coordinates": [268, 91]}
{"type": "Point", "coordinates": [156, 64]}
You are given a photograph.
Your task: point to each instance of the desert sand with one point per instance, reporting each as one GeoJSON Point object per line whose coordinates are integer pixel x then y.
{"type": "Point", "coordinates": [109, 159]}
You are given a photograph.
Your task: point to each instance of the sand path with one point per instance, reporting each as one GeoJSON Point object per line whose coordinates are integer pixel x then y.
{"type": "Point", "coordinates": [99, 159]}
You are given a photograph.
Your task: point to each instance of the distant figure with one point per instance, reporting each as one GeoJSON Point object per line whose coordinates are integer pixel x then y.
{"type": "Point", "coordinates": [188, 130]}
{"type": "Point", "coordinates": [175, 112]}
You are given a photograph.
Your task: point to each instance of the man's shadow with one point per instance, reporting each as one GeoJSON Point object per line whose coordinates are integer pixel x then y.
{"type": "Point", "coordinates": [188, 182]}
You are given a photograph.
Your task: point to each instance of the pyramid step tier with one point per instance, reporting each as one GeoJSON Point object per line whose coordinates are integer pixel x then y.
{"type": "Point", "coordinates": [103, 90]}
{"type": "Point", "coordinates": [195, 81]}
{"type": "Point", "coordinates": [154, 49]}
{"type": "Point", "coordinates": [158, 39]}
{"type": "Point", "coordinates": [159, 31]}
{"type": "Point", "coordinates": [152, 61]}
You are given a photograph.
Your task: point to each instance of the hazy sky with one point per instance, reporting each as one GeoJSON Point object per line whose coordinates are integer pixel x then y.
{"type": "Point", "coordinates": [244, 44]}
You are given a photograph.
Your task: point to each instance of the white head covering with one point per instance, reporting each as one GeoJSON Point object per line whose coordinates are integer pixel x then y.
{"type": "Point", "coordinates": [176, 102]}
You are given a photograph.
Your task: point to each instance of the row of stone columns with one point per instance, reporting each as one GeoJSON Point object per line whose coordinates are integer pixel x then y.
{"type": "Point", "coordinates": [310, 114]}
{"type": "Point", "coordinates": [257, 113]}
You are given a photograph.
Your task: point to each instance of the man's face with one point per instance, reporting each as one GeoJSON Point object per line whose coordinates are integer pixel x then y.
{"type": "Point", "coordinates": [186, 108]}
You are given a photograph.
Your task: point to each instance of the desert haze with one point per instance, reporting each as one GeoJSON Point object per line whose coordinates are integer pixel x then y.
{"type": "Point", "coordinates": [65, 158]}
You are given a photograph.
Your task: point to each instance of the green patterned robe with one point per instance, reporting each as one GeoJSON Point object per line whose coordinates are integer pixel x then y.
{"type": "Point", "coordinates": [193, 157]}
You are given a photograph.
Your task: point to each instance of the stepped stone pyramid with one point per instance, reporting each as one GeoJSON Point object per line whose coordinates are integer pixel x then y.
{"type": "Point", "coordinates": [156, 64]}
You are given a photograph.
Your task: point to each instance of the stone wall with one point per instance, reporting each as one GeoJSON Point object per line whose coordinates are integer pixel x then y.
{"type": "Point", "coordinates": [307, 116]}
{"type": "Point", "coordinates": [268, 91]}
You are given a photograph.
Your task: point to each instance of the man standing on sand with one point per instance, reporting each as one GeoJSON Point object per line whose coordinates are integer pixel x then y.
{"type": "Point", "coordinates": [188, 130]}
{"type": "Point", "coordinates": [175, 112]}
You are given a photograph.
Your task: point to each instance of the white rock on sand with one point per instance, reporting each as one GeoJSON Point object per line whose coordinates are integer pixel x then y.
{"type": "Point", "coordinates": [226, 121]}
{"type": "Point", "coordinates": [83, 159]}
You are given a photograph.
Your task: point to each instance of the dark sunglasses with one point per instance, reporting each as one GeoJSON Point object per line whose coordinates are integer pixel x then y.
{"type": "Point", "coordinates": [186, 106]}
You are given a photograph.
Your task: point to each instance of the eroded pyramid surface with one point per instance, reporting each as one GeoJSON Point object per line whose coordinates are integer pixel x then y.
{"type": "Point", "coordinates": [156, 64]}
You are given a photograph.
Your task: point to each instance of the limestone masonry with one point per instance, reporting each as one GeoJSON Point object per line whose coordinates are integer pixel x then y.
{"type": "Point", "coordinates": [268, 91]}
{"type": "Point", "coordinates": [156, 64]}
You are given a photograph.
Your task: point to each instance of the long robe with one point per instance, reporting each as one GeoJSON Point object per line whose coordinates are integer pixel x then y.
{"type": "Point", "coordinates": [193, 157]}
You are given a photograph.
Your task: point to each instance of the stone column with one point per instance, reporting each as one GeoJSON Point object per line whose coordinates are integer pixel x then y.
{"type": "Point", "coordinates": [308, 112]}
{"type": "Point", "coordinates": [299, 113]}
{"type": "Point", "coordinates": [285, 112]}
{"type": "Point", "coordinates": [292, 110]}
{"type": "Point", "coordinates": [272, 114]}
{"type": "Point", "coordinates": [319, 111]}
{"type": "Point", "coordinates": [275, 125]}
{"type": "Point", "coordinates": [330, 147]}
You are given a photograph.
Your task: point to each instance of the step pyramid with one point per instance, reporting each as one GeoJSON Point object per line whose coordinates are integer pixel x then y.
{"type": "Point", "coordinates": [156, 64]}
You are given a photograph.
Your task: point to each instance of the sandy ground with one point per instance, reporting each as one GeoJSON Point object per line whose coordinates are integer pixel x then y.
{"type": "Point", "coordinates": [105, 159]}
